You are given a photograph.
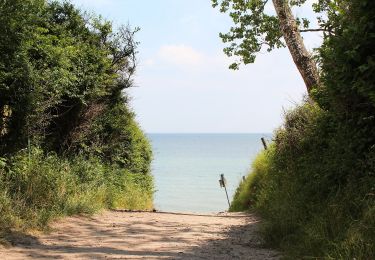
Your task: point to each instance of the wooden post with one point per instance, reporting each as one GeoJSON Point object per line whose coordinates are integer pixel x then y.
{"type": "Point", "coordinates": [223, 183]}
{"type": "Point", "coordinates": [264, 143]}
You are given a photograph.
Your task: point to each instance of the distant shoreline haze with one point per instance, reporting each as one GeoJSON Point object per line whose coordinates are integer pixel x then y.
{"type": "Point", "coordinates": [206, 133]}
{"type": "Point", "coordinates": [187, 166]}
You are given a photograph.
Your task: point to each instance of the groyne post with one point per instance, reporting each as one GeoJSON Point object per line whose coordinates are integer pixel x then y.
{"type": "Point", "coordinates": [264, 143]}
{"type": "Point", "coordinates": [223, 183]}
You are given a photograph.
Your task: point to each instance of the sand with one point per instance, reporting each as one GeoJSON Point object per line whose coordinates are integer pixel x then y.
{"type": "Point", "coordinates": [145, 235]}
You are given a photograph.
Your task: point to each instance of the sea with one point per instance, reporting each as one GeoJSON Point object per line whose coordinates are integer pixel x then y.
{"type": "Point", "coordinates": [187, 169]}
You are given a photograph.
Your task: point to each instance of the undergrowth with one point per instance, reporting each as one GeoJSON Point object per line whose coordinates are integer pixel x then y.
{"type": "Point", "coordinates": [314, 189]}
{"type": "Point", "coordinates": [69, 141]}
{"type": "Point", "coordinates": [37, 188]}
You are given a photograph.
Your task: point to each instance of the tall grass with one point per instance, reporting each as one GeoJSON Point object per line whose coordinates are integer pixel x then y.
{"type": "Point", "coordinates": [314, 189]}
{"type": "Point", "coordinates": [36, 188]}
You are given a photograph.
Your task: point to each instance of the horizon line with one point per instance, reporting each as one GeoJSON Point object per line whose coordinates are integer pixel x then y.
{"type": "Point", "coordinates": [208, 132]}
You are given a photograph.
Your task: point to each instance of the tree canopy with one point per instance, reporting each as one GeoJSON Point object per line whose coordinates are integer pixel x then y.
{"type": "Point", "coordinates": [314, 185]}
{"type": "Point", "coordinates": [63, 76]}
{"type": "Point", "coordinates": [257, 27]}
{"type": "Point", "coordinates": [69, 142]}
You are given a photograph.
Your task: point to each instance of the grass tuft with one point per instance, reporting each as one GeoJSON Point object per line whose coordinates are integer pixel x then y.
{"type": "Point", "coordinates": [314, 189]}
{"type": "Point", "coordinates": [38, 188]}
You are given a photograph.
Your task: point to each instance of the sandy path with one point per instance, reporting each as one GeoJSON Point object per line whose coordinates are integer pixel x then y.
{"type": "Point", "coordinates": [129, 235]}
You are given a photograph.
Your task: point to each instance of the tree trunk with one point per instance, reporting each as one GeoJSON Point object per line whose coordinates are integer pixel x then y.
{"type": "Point", "coordinates": [301, 57]}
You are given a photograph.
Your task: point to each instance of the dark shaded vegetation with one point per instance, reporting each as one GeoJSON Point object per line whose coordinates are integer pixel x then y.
{"type": "Point", "coordinates": [68, 139]}
{"type": "Point", "coordinates": [315, 185]}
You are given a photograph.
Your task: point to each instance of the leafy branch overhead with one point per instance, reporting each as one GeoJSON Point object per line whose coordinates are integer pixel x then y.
{"type": "Point", "coordinates": [253, 28]}
{"type": "Point", "coordinates": [258, 26]}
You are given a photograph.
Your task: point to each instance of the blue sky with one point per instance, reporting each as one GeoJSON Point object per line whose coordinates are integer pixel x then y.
{"type": "Point", "coordinates": [183, 81]}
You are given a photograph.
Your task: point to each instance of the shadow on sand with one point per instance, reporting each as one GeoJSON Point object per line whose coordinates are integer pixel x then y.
{"type": "Point", "coordinates": [237, 242]}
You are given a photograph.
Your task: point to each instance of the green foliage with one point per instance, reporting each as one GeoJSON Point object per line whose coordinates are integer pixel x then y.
{"type": "Point", "coordinates": [67, 68]}
{"type": "Point", "coordinates": [253, 28]}
{"type": "Point", "coordinates": [246, 195]}
{"type": "Point", "coordinates": [315, 187]}
{"type": "Point", "coordinates": [37, 188]}
{"type": "Point", "coordinates": [314, 190]}
{"type": "Point", "coordinates": [117, 138]}
{"type": "Point", "coordinates": [69, 142]}
{"type": "Point", "coordinates": [348, 62]}
{"type": "Point", "coordinates": [256, 28]}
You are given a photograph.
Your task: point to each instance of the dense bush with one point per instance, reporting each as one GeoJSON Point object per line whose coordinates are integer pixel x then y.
{"type": "Point", "coordinates": [36, 188]}
{"type": "Point", "coordinates": [69, 142]}
{"type": "Point", "coordinates": [315, 187]}
{"type": "Point", "coordinates": [314, 190]}
{"type": "Point", "coordinates": [63, 80]}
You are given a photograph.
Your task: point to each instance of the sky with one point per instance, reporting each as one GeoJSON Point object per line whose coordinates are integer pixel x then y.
{"type": "Point", "coordinates": [183, 84]}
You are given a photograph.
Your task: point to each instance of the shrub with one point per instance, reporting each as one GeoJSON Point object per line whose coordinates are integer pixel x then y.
{"type": "Point", "coordinates": [69, 142]}
{"type": "Point", "coordinates": [36, 188]}
{"type": "Point", "coordinates": [313, 189]}
{"type": "Point", "coordinates": [317, 191]}
{"type": "Point", "coordinates": [247, 194]}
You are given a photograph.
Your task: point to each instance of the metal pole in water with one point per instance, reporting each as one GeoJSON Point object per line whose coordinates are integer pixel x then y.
{"type": "Point", "coordinates": [223, 183]}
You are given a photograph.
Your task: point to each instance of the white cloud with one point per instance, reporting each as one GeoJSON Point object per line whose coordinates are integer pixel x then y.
{"type": "Point", "coordinates": [180, 55]}
{"type": "Point", "coordinates": [149, 62]}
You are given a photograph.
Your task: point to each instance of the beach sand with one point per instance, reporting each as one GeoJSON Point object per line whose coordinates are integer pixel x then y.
{"type": "Point", "coordinates": [145, 235]}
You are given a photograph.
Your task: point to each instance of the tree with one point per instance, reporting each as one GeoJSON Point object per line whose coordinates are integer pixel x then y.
{"type": "Point", "coordinates": [255, 28]}
{"type": "Point", "coordinates": [63, 81]}
{"type": "Point", "coordinates": [17, 27]}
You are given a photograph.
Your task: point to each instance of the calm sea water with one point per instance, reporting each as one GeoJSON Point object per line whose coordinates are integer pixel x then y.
{"type": "Point", "coordinates": [187, 168]}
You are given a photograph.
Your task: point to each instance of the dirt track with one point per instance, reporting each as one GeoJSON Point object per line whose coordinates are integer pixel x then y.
{"type": "Point", "coordinates": [129, 235]}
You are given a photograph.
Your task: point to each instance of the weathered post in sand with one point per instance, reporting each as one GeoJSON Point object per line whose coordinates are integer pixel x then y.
{"type": "Point", "coordinates": [264, 143]}
{"type": "Point", "coordinates": [223, 183]}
